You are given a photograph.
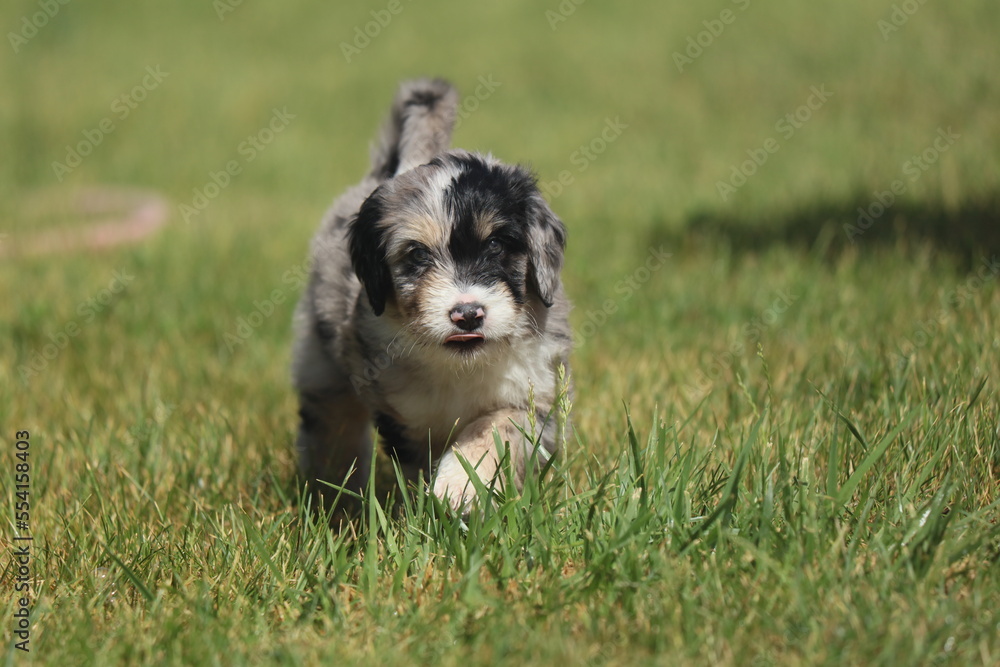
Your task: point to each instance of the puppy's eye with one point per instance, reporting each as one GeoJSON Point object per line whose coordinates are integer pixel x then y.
{"type": "Point", "coordinates": [494, 247]}
{"type": "Point", "coordinates": [419, 255]}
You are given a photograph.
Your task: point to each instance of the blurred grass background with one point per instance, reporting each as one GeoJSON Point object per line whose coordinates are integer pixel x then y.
{"type": "Point", "coordinates": [152, 389]}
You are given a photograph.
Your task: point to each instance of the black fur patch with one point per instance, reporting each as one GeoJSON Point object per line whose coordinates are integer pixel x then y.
{"type": "Point", "coordinates": [368, 252]}
{"type": "Point", "coordinates": [395, 443]}
{"type": "Point", "coordinates": [481, 189]}
{"type": "Point", "coordinates": [307, 422]}
{"type": "Point", "coordinates": [480, 186]}
{"type": "Point", "coordinates": [423, 98]}
{"type": "Point", "coordinates": [325, 330]}
{"type": "Point", "coordinates": [391, 164]}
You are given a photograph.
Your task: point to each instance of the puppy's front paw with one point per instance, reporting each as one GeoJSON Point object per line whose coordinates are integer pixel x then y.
{"type": "Point", "coordinates": [452, 484]}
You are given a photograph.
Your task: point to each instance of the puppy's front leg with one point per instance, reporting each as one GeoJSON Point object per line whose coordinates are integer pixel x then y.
{"type": "Point", "coordinates": [334, 439]}
{"type": "Point", "coordinates": [475, 443]}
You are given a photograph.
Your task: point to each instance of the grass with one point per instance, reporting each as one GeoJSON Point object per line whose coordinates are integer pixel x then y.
{"type": "Point", "coordinates": [786, 445]}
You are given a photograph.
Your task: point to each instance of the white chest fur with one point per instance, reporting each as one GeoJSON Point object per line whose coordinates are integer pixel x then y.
{"type": "Point", "coordinates": [444, 399]}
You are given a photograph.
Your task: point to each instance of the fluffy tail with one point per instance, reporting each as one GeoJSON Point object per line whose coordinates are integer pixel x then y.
{"type": "Point", "coordinates": [419, 127]}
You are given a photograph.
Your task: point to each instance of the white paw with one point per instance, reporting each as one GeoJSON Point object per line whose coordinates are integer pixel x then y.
{"type": "Point", "coordinates": [452, 483]}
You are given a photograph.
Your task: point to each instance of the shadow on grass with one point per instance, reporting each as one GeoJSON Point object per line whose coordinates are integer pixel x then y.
{"type": "Point", "coordinates": [968, 231]}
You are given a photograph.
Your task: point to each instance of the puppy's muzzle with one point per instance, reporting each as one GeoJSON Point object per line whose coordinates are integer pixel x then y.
{"type": "Point", "coordinates": [468, 316]}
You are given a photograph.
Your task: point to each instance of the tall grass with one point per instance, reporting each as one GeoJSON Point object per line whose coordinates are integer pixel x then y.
{"type": "Point", "coordinates": [785, 448]}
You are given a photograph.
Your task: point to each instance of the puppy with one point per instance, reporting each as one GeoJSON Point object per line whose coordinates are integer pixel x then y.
{"type": "Point", "coordinates": [434, 309]}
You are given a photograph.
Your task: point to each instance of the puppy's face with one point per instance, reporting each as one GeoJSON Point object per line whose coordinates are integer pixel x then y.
{"type": "Point", "coordinates": [460, 252]}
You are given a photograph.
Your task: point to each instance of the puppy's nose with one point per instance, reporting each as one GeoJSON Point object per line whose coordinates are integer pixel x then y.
{"type": "Point", "coordinates": [468, 316]}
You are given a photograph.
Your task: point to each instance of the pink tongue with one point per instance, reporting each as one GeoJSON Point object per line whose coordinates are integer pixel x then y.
{"type": "Point", "coordinates": [461, 338]}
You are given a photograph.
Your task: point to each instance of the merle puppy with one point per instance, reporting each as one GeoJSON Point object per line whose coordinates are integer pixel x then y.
{"type": "Point", "coordinates": [434, 308]}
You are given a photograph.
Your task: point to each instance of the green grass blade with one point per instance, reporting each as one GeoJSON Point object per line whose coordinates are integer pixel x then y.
{"type": "Point", "coordinates": [846, 492]}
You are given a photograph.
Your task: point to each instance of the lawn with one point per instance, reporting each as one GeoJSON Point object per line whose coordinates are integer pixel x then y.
{"type": "Point", "coordinates": [784, 256]}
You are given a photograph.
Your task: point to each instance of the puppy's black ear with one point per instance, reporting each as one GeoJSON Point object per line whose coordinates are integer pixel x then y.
{"type": "Point", "coordinates": [368, 257]}
{"type": "Point", "coordinates": [546, 241]}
